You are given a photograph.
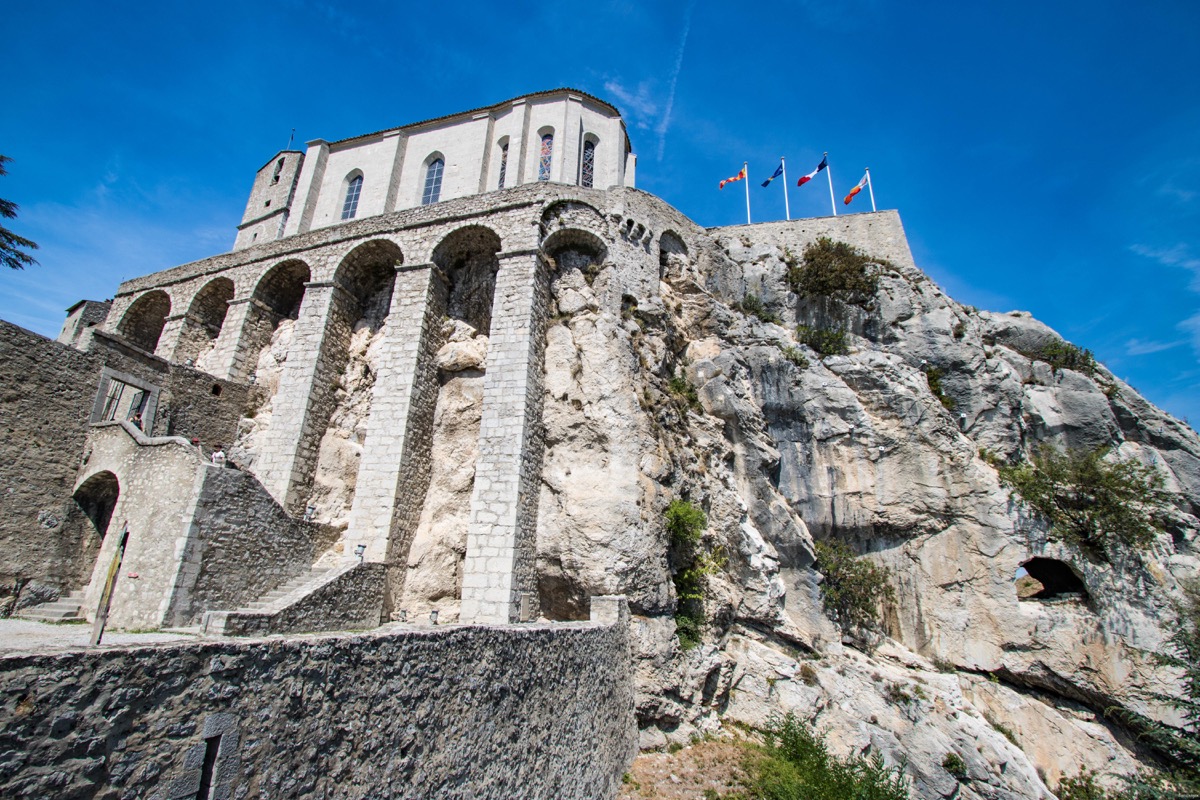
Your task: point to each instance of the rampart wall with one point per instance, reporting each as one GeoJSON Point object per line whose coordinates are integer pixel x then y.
{"type": "Point", "coordinates": [529, 711]}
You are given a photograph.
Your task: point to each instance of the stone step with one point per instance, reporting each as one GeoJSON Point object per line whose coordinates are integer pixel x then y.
{"type": "Point", "coordinates": [291, 587]}
{"type": "Point", "coordinates": [65, 608]}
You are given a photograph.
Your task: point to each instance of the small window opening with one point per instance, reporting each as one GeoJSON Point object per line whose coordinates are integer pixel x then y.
{"type": "Point", "coordinates": [1049, 579]}
{"type": "Point", "coordinates": [546, 157]}
{"type": "Point", "coordinates": [212, 746]}
{"type": "Point", "coordinates": [587, 174]}
{"type": "Point", "coordinates": [353, 189]}
{"type": "Point", "coordinates": [278, 170]}
{"type": "Point", "coordinates": [503, 164]}
{"type": "Point", "coordinates": [267, 203]}
{"type": "Point", "coordinates": [216, 390]}
{"type": "Point", "coordinates": [433, 182]}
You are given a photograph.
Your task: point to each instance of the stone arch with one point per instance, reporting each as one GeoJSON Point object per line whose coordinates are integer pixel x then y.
{"type": "Point", "coordinates": [88, 519]}
{"type": "Point", "coordinates": [572, 248]}
{"type": "Point", "coordinates": [273, 310]}
{"type": "Point", "coordinates": [1049, 579]}
{"type": "Point", "coordinates": [143, 321]}
{"type": "Point", "coordinates": [204, 319]}
{"type": "Point", "coordinates": [343, 391]}
{"type": "Point", "coordinates": [468, 259]}
{"type": "Point", "coordinates": [281, 288]}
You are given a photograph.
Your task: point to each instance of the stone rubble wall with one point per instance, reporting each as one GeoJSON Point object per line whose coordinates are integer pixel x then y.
{"type": "Point", "coordinates": [530, 711]}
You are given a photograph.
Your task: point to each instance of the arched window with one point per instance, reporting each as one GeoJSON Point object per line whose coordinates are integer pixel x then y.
{"type": "Point", "coordinates": [587, 168]}
{"type": "Point", "coordinates": [278, 170]}
{"type": "Point", "coordinates": [547, 157]}
{"type": "Point", "coordinates": [433, 182]}
{"type": "Point", "coordinates": [503, 163]}
{"type": "Point", "coordinates": [353, 189]}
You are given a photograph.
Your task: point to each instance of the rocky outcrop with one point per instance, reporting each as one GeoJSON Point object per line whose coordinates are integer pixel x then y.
{"type": "Point", "coordinates": [781, 446]}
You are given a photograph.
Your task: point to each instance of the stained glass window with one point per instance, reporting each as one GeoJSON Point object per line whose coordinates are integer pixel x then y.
{"type": "Point", "coordinates": [587, 174]}
{"type": "Point", "coordinates": [547, 157]}
{"type": "Point", "coordinates": [433, 182]}
{"type": "Point", "coordinates": [350, 207]}
{"type": "Point", "coordinates": [503, 164]}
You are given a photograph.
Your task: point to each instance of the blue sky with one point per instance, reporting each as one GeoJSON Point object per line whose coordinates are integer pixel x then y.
{"type": "Point", "coordinates": [1043, 156]}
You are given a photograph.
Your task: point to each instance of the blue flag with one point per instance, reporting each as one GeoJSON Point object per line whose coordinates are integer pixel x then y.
{"type": "Point", "coordinates": [778, 172]}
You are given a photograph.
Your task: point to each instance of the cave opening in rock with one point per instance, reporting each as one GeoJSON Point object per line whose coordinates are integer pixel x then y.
{"type": "Point", "coordinates": [1042, 578]}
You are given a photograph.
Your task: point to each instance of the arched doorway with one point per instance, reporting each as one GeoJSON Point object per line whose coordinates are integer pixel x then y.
{"type": "Point", "coordinates": [89, 518]}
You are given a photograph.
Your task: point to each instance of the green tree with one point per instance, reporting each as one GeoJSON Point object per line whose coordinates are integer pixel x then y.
{"type": "Point", "coordinates": [11, 253]}
{"type": "Point", "coordinates": [837, 270]}
{"type": "Point", "coordinates": [853, 587]}
{"type": "Point", "coordinates": [1091, 500]}
{"type": "Point", "coordinates": [1180, 747]}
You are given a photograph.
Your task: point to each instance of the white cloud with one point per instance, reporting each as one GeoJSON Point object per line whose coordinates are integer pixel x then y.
{"type": "Point", "coordinates": [638, 106]}
{"type": "Point", "coordinates": [1178, 256]}
{"type": "Point", "coordinates": [1139, 347]}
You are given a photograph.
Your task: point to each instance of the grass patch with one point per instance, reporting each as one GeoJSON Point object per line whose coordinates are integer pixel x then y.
{"type": "Point", "coordinates": [954, 764]}
{"type": "Point", "coordinates": [795, 355]}
{"type": "Point", "coordinates": [683, 390]}
{"type": "Point", "coordinates": [1060, 354]}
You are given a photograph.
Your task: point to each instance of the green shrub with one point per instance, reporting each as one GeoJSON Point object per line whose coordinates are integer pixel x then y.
{"type": "Point", "coordinates": [954, 764]}
{"type": "Point", "coordinates": [682, 389]}
{"type": "Point", "coordinates": [685, 523]}
{"type": "Point", "coordinates": [795, 764]}
{"type": "Point", "coordinates": [853, 588]}
{"type": "Point", "coordinates": [826, 341]}
{"type": "Point", "coordinates": [693, 566]}
{"type": "Point", "coordinates": [934, 376]}
{"type": "Point", "coordinates": [1061, 354]}
{"type": "Point", "coordinates": [1090, 501]}
{"type": "Point", "coordinates": [836, 270]}
{"type": "Point", "coordinates": [1084, 787]}
{"type": "Point", "coordinates": [794, 355]}
{"type": "Point", "coordinates": [753, 306]}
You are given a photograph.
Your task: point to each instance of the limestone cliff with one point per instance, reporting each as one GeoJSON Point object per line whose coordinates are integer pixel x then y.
{"type": "Point", "coordinates": [783, 446]}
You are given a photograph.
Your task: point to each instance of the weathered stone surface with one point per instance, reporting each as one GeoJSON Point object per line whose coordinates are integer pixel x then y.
{"type": "Point", "coordinates": [529, 711]}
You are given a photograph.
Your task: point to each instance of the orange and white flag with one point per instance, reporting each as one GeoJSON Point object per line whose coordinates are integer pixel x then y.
{"type": "Point", "coordinates": [856, 189]}
{"type": "Point", "coordinates": [741, 176]}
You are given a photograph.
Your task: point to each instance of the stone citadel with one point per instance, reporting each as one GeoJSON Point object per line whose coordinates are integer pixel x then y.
{"type": "Point", "coordinates": [441, 363]}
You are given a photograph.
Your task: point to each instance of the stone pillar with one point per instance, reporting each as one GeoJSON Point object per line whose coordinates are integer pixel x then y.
{"type": "Point", "coordinates": [230, 356]}
{"type": "Point", "coordinates": [172, 332]}
{"type": "Point", "coordinates": [393, 474]}
{"type": "Point", "coordinates": [501, 538]}
{"type": "Point", "coordinates": [302, 407]}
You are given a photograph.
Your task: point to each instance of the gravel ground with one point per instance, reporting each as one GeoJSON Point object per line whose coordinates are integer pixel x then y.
{"type": "Point", "coordinates": [686, 774]}
{"type": "Point", "coordinates": [27, 636]}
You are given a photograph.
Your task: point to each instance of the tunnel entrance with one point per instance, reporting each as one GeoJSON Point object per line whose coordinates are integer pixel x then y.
{"type": "Point", "coordinates": [1049, 579]}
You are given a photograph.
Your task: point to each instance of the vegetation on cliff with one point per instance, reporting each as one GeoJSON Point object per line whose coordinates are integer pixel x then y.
{"type": "Point", "coordinates": [1090, 500]}
{"type": "Point", "coordinates": [853, 588]}
{"type": "Point", "coordinates": [693, 566]}
{"type": "Point", "coordinates": [837, 270]}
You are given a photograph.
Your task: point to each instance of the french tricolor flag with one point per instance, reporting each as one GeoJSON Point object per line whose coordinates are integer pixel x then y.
{"type": "Point", "coordinates": [824, 163]}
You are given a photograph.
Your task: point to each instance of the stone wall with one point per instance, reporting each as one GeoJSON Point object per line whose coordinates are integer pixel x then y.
{"type": "Point", "coordinates": [240, 545]}
{"type": "Point", "coordinates": [531, 711]}
{"type": "Point", "coordinates": [46, 392]}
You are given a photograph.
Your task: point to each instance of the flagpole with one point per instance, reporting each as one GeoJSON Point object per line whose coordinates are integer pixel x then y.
{"type": "Point", "coordinates": [870, 189]}
{"type": "Point", "coordinates": [786, 209]}
{"type": "Point", "coordinates": [746, 180]}
{"type": "Point", "coordinates": [829, 174]}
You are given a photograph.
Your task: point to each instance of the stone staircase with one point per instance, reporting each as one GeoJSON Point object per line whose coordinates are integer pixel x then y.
{"type": "Point", "coordinates": [282, 596]}
{"type": "Point", "coordinates": [68, 608]}
{"type": "Point", "coordinates": [340, 596]}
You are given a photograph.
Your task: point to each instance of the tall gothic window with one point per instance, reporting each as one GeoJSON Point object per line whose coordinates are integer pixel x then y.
{"type": "Point", "coordinates": [547, 157]}
{"type": "Point", "coordinates": [433, 182]}
{"type": "Point", "coordinates": [587, 172]}
{"type": "Point", "coordinates": [350, 207]}
{"type": "Point", "coordinates": [503, 164]}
